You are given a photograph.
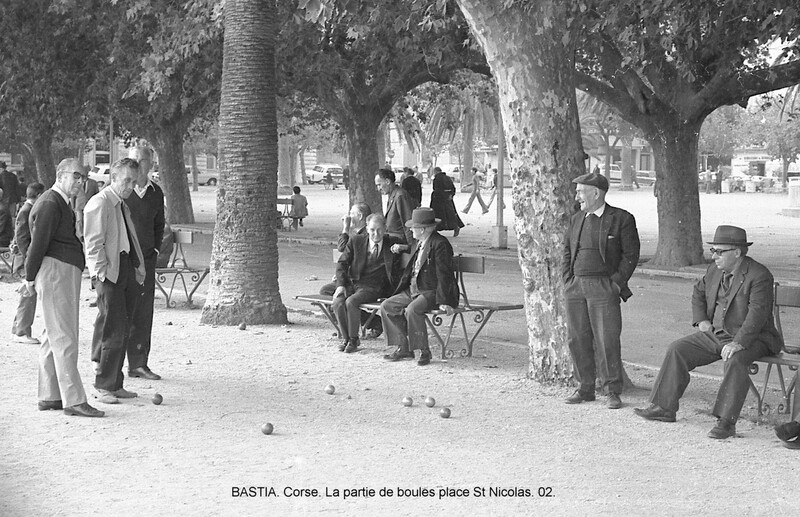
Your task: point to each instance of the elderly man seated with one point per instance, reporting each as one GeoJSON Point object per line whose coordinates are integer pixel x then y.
{"type": "Point", "coordinates": [367, 270]}
{"type": "Point", "coordinates": [428, 282]}
{"type": "Point", "coordinates": [732, 309]}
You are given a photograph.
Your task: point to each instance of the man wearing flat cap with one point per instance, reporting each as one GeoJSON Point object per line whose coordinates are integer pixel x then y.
{"type": "Point", "coordinates": [601, 250]}
{"type": "Point", "coordinates": [732, 310]}
{"type": "Point", "coordinates": [427, 283]}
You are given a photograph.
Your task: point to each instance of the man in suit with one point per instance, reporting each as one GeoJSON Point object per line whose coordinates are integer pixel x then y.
{"type": "Point", "coordinates": [601, 250]}
{"type": "Point", "coordinates": [732, 310]}
{"type": "Point", "coordinates": [9, 183]}
{"type": "Point", "coordinates": [21, 331]}
{"type": "Point", "coordinates": [354, 223]}
{"type": "Point", "coordinates": [6, 222]}
{"type": "Point", "coordinates": [366, 271]}
{"type": "Point", "coordinates": [146, 205]}
{"type": "Point", "coordinates": [428, 282]}
{"type": "Point", "coordinates": [116, 265]}
{"type": "Point", "coordinates": [398, 205]}
{"type": "Point", "coordinates": [412, 185]}
{"type": "Point", "coordinates": [53, 271]}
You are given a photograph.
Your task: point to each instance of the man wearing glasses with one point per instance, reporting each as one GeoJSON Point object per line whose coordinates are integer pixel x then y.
{"type": "Point", "coordinates": [732, 309]}
{"type": "Point", "coordinates": [53, 269]}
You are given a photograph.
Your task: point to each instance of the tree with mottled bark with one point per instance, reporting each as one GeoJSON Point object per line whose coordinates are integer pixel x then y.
{"type": "Point", "coordinates": [665, 66]}
{"type": "Point", "coordinates": [530, 49]}
{"type": "Point", "coordinates": [243, 287]}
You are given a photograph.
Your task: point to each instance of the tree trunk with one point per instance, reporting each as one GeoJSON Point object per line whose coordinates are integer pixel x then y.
{"type": "Point", "coordinates": [680, 240]}
{"type": "Point", "coordinates": [380, 144]}
{"type": "Point", "coordinates": [193, 158]}
{"type": "Point", "coordinates": [244, 261]}
{"type": "Point", "coordinates": [43, 156]}
{"type": "Point", "coordinates": [533, 69]}
{"type": "Point", "coordinates": [168, 141]}
{"type": "Point", "coordinates": [627, 169]}
{"type": "Point", "coordinates": [362, 148]}
{"type": "Point", "coordinates": [286, 154]}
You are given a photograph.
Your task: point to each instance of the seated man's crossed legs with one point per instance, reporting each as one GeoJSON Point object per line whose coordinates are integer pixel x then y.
{"type": "Point", "coordinates": [349, 315]}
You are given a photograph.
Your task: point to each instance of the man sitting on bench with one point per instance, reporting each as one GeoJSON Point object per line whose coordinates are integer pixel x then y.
{"type": "Point", "coordinates": [367, 270]}
{"type": "Point", "coordinates": [428, 282]}
{"type": "Point", "coordinates": [732, 310]}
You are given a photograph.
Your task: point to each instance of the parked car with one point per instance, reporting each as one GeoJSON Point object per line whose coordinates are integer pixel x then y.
{"type": "Point", "coordinates": [100, 173]}
{"type": "Point", "coordinates": [616, 173]}
{"type": "Point", "coordinates": [209, 177]}
{"type": "Point", "coordinates": [319, 173]}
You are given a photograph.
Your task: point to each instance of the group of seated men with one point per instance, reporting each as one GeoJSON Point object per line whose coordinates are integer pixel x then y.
{"type": "Point", "coordinates": [370, 268]}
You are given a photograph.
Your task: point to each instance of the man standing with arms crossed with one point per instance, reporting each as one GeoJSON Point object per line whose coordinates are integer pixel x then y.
{"type": "Point", "coordinates": [601, 250]}
{"type": "Point", "coordinates": [116, 266]}
{"type": "Point", "coordinates": [147, 211]}
{"type": "Point", "coordinates": [53, 271]}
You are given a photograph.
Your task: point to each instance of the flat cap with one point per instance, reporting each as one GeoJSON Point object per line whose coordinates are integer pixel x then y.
{"type": "Point", "coordinates": [594, 180]}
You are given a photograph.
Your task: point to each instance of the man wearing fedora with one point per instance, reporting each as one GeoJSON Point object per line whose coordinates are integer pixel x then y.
{"type": "Point", "coordinates": [601, 250]}
{"type": "Point", "coordinates": [732, 310]}
{"type": "Point", "coordinates": [428, 282]}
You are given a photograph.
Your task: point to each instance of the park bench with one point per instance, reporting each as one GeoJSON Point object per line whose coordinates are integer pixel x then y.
{"type": "Point", "coordinates": [283, 220]}
{"type": "Point", "coordinates": [479, 311]}
{"type": "Point", "coordinates": [178, 269]}
{"type": "Point", "coordinates": [785, 296]}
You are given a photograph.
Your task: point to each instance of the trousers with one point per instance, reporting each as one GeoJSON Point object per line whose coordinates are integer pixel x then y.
{"type": "Point", "coordinates": [594, 324]}
{"type": "Point", "coordinates": [58, 287]}
{"type": "Point", "coordinates": [699, 349]}
{"type": "Point", "coordinates": [404, 318]}
{"type": "Point", "coordinates": [142, 320]}
{"type": "Point", "coordinates": [347, 312]}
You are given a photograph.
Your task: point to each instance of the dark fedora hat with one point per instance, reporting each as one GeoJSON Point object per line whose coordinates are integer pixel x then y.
{"type": "Point", "coordinates": [732, 235]}
{"type": "Point", "coordinates": [594, 180]}
{"type": "Point", "coordinates": [422, 217]}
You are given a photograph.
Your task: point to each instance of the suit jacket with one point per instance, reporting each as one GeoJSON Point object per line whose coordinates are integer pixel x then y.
{"type": "Point", "coordinates": [398, 211]}
{"type": "Point", "coordinates": [103, 236]}
{"type": "Point", "coordinates": [341, 243]}
{"type": "Point", "coordinates": [436, 278]}
{"type": "Point", "coordinates": [353, 260]}
{"type": "Point", "coordinates": [22, 230]}
{"type": "Point", "coordinates": [6, 224]}
{"type": "Point", "coordinates": [748, 313]}
{"type": "Point", "coordinates": [619, 246]}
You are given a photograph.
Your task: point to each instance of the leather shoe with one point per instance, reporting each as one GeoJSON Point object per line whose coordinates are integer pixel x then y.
{"type": "Point", "coordinates": [578, 397]}
{"type": "Point", "coordinates": [352, 346]}
{"type": "Point", "coordinates": [656, 412]}
{"type": "Point", "coordinates": [44, 405]}
{"type": "Point", "coordinates": [722, 430]}
{"type": "Point", "coordinates": [343, 346]}
{"type": "Point", "coordinates": [145, 373]}
{"type": "Point", "coordinates": [788, 431]}
{"type": "Point", "coordinates": [792, 444]}
{"type": "Point", "coordinates": [613, 401]}
{"type": "Point", "coordinates": [106, 397]}
{"type": "Point", "coordinates": [122, 393]}
{"type": "Point", "coordinates": [398, 355]}
{"type": "Point", "coordinates": [27, 340]}
{"type": "Point", "coordinates": [83, 410]}
{"type": "Point", "coordinates": [424, 358]}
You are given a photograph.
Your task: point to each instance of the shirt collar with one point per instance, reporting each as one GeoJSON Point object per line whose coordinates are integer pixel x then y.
{"type": "Point", "coordinates": [114, 196]}
{"type": "Point", "coordinates": [141, 191]}
{"type": "Point", "coordinates": [598, 212]}
{"type": "Point", "coordinates": [61, 193]}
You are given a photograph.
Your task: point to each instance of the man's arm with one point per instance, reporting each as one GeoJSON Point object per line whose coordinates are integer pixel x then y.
{"type": "Point", "coordinates": [759, 308]}
{"type": "Point", "coordinates": [344, 263]}
{"type": "Point", "coordinates": [44, 220]}
{"type": "Point", "coordinates": [630, 245]}
{"type": "Point", "coordinates": [443, 259]}
{"type": "Point", "coordinates": [22, 232]}
{"type": "Point", "coordinates": [158, 222]}
{"type": "Point", "coordinates": [566, 253]}
{"type": "Point", "coordinates": [403, 204]}
{"type": "Point", "coordinates": [94, 238]}
{"type": "Point", "coordinates": [699, 301]}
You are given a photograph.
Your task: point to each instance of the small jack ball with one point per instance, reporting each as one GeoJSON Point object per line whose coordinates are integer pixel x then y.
{"type": "Point", "coordinates": [243, 326]}
{"type": "Point", "coordinates": [430, 402]}
{"type": "Point", "coordinates": [157, 399]}
{"type": "Point", "coordinates": [330, 389]}
{"type": "Point", "coordinates": [267, 428]}
{"type": "Point", "coordinates": [444, 412]}
{"type": "Point", "coordinates": [408, 401]}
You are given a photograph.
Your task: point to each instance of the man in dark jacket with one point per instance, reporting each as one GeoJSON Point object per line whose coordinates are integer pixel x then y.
{"type": "Point", "coordinates": [601, 250]}
{"type": "Point", "coordinates": [9, 183]}
{"type": "Point", "coordinates": [21, 331]}
{"type": "Point", "coordinates": [732, 310]}
{"type": "Point", "coordinates": [427, 283]}
{"type": "Point", "coordinates": [367, 270]}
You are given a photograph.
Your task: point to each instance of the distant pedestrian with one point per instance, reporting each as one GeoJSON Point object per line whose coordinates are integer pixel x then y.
{"type": "Point", "coordinates": [494, 189]}
{"type": "Point", "coordinates": [442, 202]}
{"type": "Point", "coordinates": [6, 222]}
{"type": "Point", "coordinates": [477, 177]}
{"type": "Point", "coordinates": [412, 185]}
{"type": "Point", "coordinates": [299, 209]}
{"type": "Point", "coordinates": [21, 331]}
{"type": "Point", "coordinates": [718, 186]}
{"type": "Point", "coordinates": [10, 188]}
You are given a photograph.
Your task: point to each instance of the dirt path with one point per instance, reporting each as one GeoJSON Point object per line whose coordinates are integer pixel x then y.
{"type": "Point", "coordinates": [221, 384]}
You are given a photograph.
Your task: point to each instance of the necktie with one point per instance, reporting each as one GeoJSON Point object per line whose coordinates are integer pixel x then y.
{"type": "Point", "coordinates": [374, 253]}
{"type": "Point", "coordinates": [131, 248]}
{"type": "Point", "coordinates": [726, 281]}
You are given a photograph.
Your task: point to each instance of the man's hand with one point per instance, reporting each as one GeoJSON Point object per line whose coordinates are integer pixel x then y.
{"type": "Point", "coordinates": [705, 326]}
{"type": "Point", "coordinates": [346, 221]}
{"type": "Point", "coordinates": [730, 349]}
{"type": "Point", "coordinates": [446, 308]}
{"type": "Point", "coordinates": [399, 248]}
{"type": "Point", "coordinates": [340, 291]}
{"type": "Point", "coordinates": [27, 289]}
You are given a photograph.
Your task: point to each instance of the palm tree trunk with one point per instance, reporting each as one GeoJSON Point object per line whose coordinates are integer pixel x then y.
{"type": "Point", "coordinates": [244, 262]}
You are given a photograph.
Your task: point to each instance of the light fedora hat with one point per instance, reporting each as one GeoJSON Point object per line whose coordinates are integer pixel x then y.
{"type": "Point", "coordinates": [422, 217]}
{"type": "Point", "coordinates": [731, 235]}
